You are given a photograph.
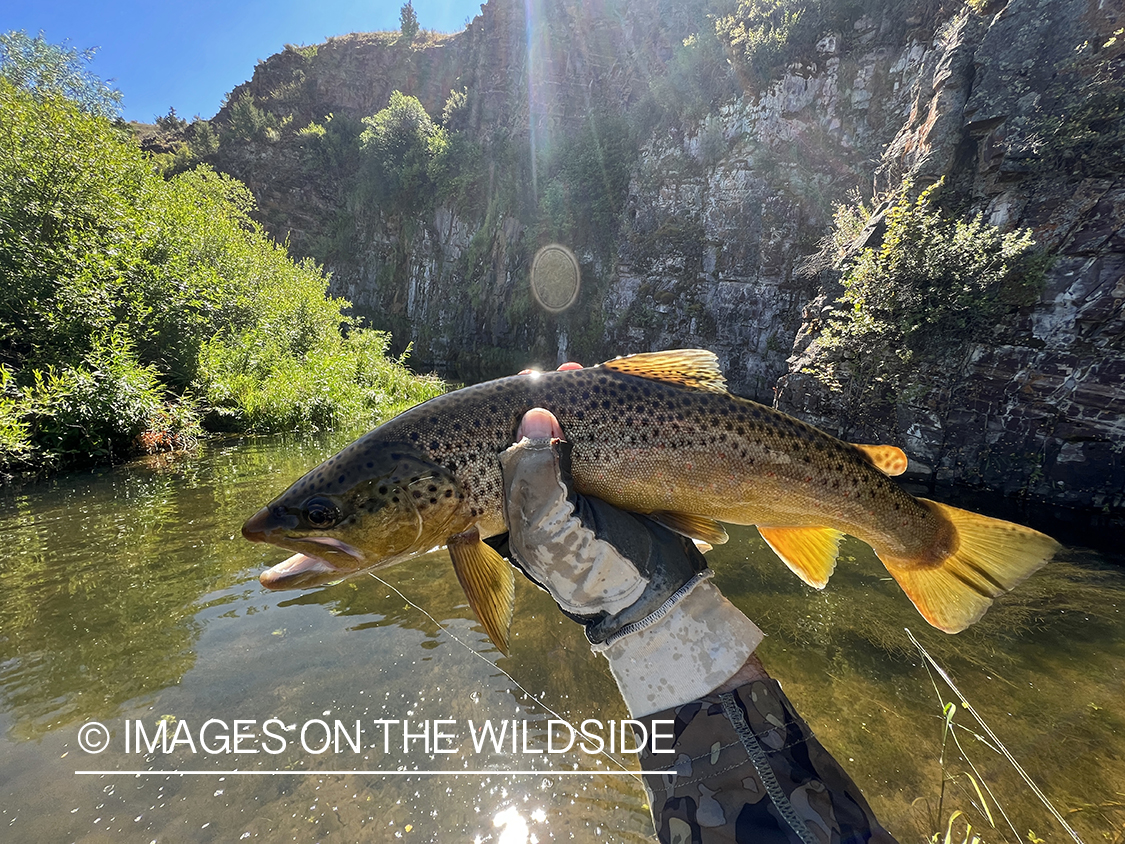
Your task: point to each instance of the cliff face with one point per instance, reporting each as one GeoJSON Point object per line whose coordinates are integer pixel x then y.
{"type": "Point", "coordinates": [1017, 108]}
{"type": "Point", "coordinates": [1002, 110]}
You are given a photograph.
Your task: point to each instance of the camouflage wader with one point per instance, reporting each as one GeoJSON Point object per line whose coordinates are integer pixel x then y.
{"type": "Point", "coordinates": [759, 776]}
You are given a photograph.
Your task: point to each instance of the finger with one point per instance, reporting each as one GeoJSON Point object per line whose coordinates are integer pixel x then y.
{"type": "Point", "coordinates": [539, 424]}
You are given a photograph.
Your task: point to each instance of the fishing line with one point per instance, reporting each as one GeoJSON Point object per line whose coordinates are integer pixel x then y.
{"type": "Point", "coordinates": [1003, 750]}
{"type": "Point", "coordinates": [515, 682]}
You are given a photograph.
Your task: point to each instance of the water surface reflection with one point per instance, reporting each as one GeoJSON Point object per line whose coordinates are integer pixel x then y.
{"type": "Point", "coordinates": [129, 596]}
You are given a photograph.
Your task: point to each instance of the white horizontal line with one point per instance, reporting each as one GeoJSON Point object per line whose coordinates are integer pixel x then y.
{"type": "Point", "coordinates": [302, 773]}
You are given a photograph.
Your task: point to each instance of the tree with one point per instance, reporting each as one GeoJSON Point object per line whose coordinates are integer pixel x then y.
{"type": "Point", "coordinates": [401, 147]}
{"type": "Point", "coordinates": [45, 69]}
{"type": "Point", "coordinates": [408, 21]}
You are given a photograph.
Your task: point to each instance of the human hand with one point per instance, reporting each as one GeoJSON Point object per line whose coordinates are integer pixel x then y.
{"type": "Point", "coordinates": [669, 636]}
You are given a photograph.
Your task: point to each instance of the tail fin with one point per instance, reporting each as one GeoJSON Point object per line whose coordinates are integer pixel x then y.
{"type": "Point", "coordinates": [990, 557]}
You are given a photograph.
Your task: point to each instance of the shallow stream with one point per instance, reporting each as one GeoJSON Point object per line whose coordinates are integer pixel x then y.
{"type": "Point", "coordinates": [129, 597]}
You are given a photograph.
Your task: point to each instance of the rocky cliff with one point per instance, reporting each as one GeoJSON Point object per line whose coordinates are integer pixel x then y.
{"type": "Point", "coordinates": [730, 178]}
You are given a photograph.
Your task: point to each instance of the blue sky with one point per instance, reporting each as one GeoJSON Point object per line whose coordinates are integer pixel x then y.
{"type": "Point", "coordinates": [190, 54]}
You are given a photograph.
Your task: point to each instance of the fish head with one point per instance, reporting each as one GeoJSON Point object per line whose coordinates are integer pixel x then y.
{"type": "Point", "coordinates": [371, 509]}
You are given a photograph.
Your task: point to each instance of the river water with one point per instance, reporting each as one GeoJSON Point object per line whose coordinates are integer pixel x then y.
{"type": "Point", "coordinates": [128, 597]}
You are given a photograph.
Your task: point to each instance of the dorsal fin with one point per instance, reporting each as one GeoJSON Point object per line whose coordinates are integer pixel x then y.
{"type": "Point", "coordinates": [888, 459]}
{"type": "Point", "coordinates": [697, 368]}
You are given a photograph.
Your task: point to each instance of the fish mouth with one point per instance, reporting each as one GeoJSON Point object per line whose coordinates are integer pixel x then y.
{"type": "Point", "coordinates": [313, 569]}
{"type": "Point", "coordinates": [319, 559]}
{"type": "Point", "coordinates": [300, 571]}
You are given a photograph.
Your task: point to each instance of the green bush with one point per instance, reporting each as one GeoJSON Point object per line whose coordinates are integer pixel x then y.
{"type": "Point", "coordinates": [92, 411]}
{"type": "Point", "coordinates": [131, 304]}
{"type": "Point", "coordinates": [256, 383]}
{"type": "Point", "coordinates": [698, 77]}
{"type": "Point", "coordinates": [402, 150]}
{"type": "Point", "coordinates": [247, 122]}
{"type": "Point", "coordinates": [931, 289]}
{"type": "Point", "coordinates": [763, 36]}
{"type": "Point", "coordinates": [15, 444]}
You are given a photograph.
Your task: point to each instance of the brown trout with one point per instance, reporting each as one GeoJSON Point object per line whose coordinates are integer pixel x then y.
{"type": "Point", "coordinates": [652, 433]}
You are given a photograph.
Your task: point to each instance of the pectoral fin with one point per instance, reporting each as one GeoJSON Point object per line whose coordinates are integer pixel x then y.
{"type": "Point", "coordinates": [488, 582]}
{"type": "Point", "coordinates": [809, 551]}
{"type": "Point", "coordinates": [693, 527]}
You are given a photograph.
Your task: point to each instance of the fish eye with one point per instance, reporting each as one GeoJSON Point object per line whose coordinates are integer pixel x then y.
{"type": "Point", "coordinates": [321, 513]}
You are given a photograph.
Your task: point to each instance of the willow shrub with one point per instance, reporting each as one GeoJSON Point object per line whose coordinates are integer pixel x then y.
{"type": "Point", "coordinates": [131, 305]}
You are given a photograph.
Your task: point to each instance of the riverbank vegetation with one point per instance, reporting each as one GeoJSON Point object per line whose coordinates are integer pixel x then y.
{"type": "Point", "coordinates": [928, 289]}
{"type": "Point", "coordinates": [138, 312]}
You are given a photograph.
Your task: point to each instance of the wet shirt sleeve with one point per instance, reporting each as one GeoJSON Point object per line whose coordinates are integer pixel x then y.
{"type": "Point", "coordinates": [749, 770]}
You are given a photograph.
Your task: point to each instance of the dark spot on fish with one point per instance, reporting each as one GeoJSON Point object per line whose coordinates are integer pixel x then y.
{"type": "Point", "coordinates": [433, 501]}
{"type": "Point", "coordinates": [449, 493]}
{"type": "Point", "coordinates": [431, 488]}
{"type": "Point", "coordinates": [416, 494]}
{"type": "Point", "coordinates": [370, 465]}
{"type": "Point", "coordinates": [414, 436]}
{"type": "Point", "coordinates": [434, 445]}
{"type": "Point", "coordinates": [396, 457]}
{"type": "Point", "coordinates": [394, 500]}
{"type": "Point", "coordinates": [382, 490]}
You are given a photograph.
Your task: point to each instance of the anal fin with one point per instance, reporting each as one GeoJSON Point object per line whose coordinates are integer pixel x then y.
{"type": "Point", "coordinates": [488, 582]}
{"type": "Point", "coordinates": [694, 527]}
{"type": "Point", "coordinates": [810, 552]}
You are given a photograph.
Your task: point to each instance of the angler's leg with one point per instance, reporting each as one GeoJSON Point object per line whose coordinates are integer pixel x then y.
{"type": "Point", "coordinates": [749, 769]}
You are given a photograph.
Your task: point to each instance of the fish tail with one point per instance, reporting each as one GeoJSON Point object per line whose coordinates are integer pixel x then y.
{"type": "Point", "coordinates": [988, 558]}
